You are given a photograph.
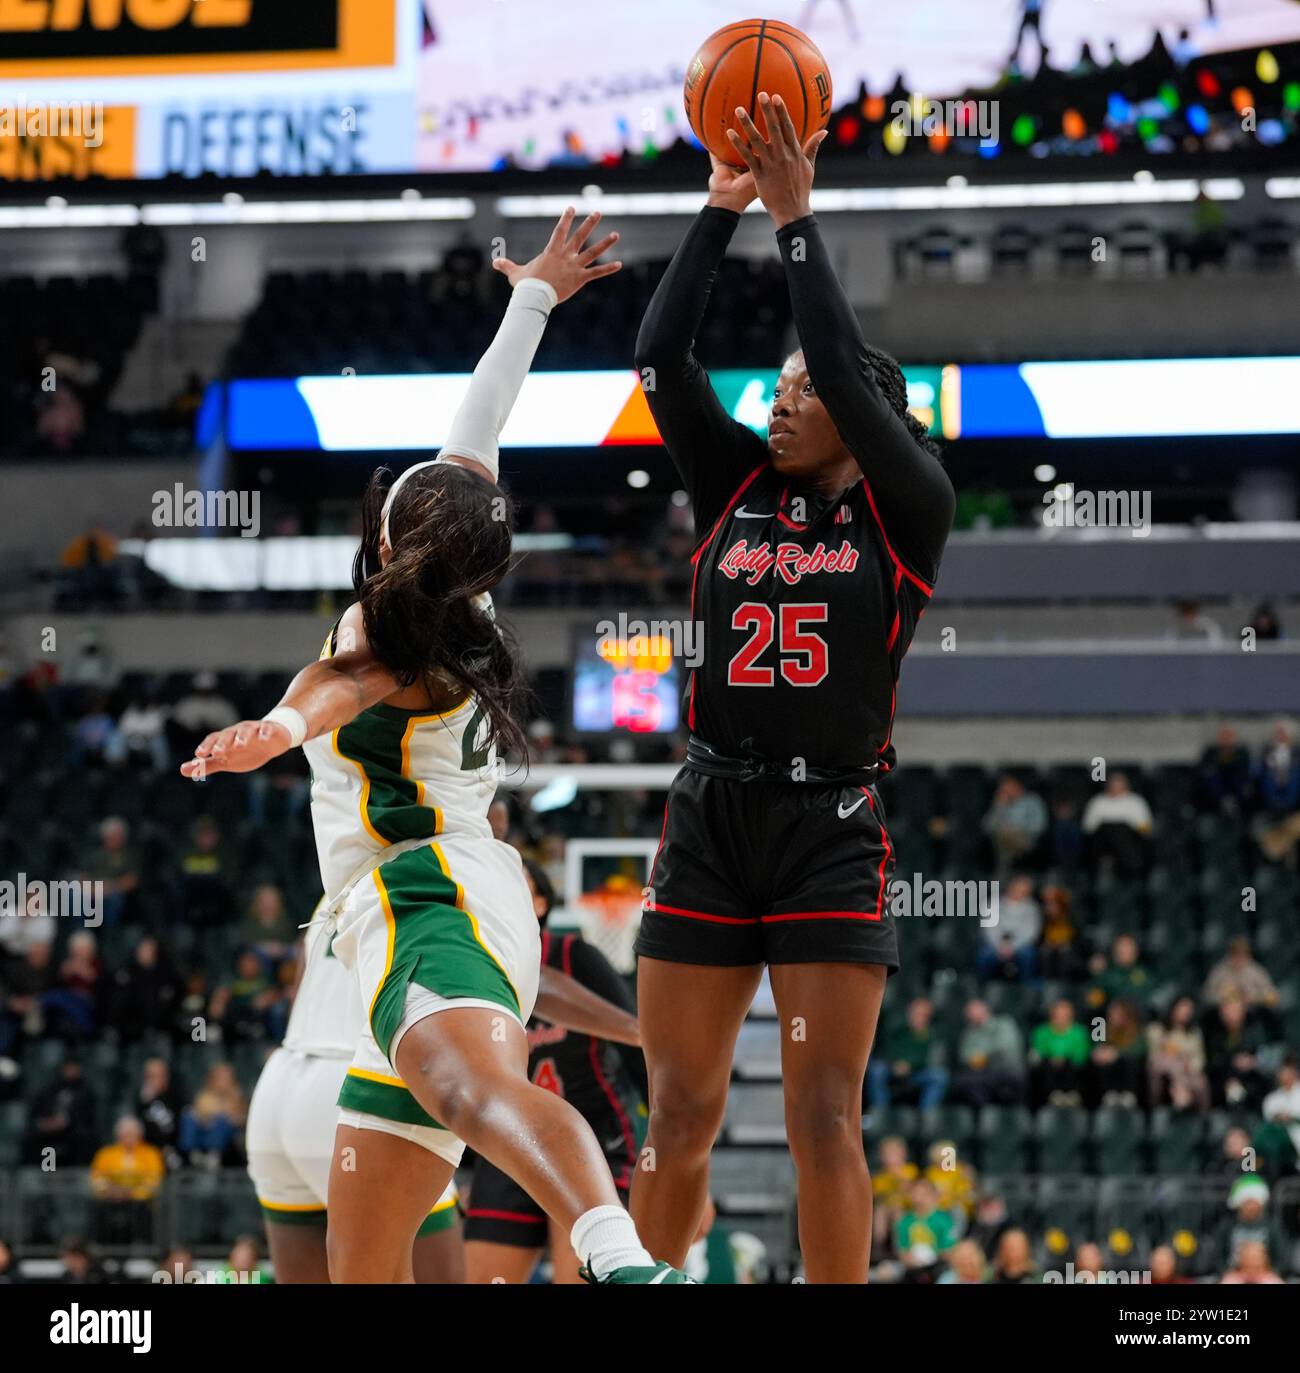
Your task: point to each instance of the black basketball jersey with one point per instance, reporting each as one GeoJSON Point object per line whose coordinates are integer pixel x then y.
{"type": "Point", "coordinates": [805, 624]}
{"type": "Point", "coordinates": [807, 604]}
{"type": "Point", "coordinates": [589, 1073]}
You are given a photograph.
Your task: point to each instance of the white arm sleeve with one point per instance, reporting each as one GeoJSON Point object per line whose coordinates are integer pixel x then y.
{"type": "Point", "coordinates": [500, 373]}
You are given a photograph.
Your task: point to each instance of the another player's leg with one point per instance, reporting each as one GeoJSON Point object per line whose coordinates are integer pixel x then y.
{"type": "Point", "coordinates": [835, 1007]}
{"type": "Point", "coordinates": [690, 1017]}
{"type": "Point", "coordinates": [505, 1229]}
{"type": "Point", "coordinates": [298, 1252]}
{"type": "Point", "coordinates": [438, 1255]}
{"type": "Point", "coordinates": [466, 1066]}
{"type": "Point", "coordinates": [382, 1187]}
{"type": "Point", "coordinates": [486, 1262]}
{"type": "Point", "coordinates": [290, 1121]}
{"type": "Point", "coordinates": [564, 1262]}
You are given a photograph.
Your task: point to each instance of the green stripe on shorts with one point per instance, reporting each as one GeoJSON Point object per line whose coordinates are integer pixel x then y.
{"type": "Point", "coordinates": [434, 944]}
{"type": "Point", "coordinates": [385, 1100]}
{"type": "Point", "coordinates": [439, 1220]}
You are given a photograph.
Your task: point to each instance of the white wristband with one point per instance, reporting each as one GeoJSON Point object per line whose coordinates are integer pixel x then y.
{"type": "Point", "coordinates": [535, 284]}
{"type": "Point", "coordinates": [292, 720]}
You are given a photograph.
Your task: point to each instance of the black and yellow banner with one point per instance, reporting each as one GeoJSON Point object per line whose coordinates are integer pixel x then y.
{"type": "Point", "coordinates": [58, 38]}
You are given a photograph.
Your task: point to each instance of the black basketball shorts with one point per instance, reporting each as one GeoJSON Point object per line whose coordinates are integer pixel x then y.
{"type": "Point", "coordinates": [770, 871]}
{"type": "Point", "coordinates": [501, 1212]}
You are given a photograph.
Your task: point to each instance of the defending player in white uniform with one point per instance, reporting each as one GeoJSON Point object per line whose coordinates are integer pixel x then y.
{"type": "Point", "coordinates": [402, 720]}
{"type": "Point", "coordinates": [294, 1111]}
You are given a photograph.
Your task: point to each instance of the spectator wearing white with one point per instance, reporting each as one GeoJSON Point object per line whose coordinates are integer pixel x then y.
{"type": "Point", "coordinates": [1282, 1106]}
{"type": "Point", "coordinates": [1194, 626]}
{"type": "Point", "coordinates": [24, 929]}
{"type": "Point", "coordinates": [141, 734]}
{"type": "Point", "coordinates": [1117, 823]}
{"type": "Point", "coordinates": [204, 711]}
{"type": "Point", "coordinates": [1010, 944]}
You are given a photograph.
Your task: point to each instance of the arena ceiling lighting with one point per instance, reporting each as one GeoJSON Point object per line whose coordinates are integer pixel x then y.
{"type": "Point", "coordinates": [1029, 195]}
{"type": "Point", "coordinates": [408, 207]}
{"type": "Point", "coordinates": [233, 209]}
{"type": "Point", "coordinates": [297, 563]}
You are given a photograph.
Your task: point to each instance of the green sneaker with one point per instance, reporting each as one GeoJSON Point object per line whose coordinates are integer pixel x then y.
{"type": "Point", "coordinates": [661, 1274]}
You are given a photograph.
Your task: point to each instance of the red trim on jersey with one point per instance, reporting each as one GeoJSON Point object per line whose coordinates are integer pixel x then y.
{"type": "Point", "coordinates": [566, 955]}
{"type": "Point", "coordinates": [695, 563]}
{"type": "Point", "coordinates": [484, 1214]}
{"type": "Point", "coordinates": [889, 733]}
{"type": "Point", "coordinates": [612, 1097]}
{"type": "Point", "coordinates": [880, 875]}
{"type": "Point", "coordinates": [662, 834]}
{"type": "Point", "coordinates": [822, 915]}
{"type": "Point", "coordinates": [889, 548]}
{"type": "Point", "coordinates": [893, 633]}
{"type": "Point", "coordinates": [704, 915]}
{"type": "Point", "coordinates": [740, 491]}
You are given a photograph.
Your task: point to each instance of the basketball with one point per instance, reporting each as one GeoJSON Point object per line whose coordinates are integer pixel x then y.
{"type": "Point", "coordinates": [742, 59]}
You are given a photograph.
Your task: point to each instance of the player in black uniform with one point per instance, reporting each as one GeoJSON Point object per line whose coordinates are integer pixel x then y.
{"type": "Point", "coordinates": [817, 553]}
{"type": "Point", "coordinates": [506, 1231]}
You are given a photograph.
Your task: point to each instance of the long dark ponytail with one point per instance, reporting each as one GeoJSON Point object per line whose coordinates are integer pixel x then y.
{"type": "Point", "coordinates": [450, 534]}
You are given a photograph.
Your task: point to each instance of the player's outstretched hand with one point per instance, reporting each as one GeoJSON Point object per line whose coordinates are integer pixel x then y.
{"type": "Point", "coordinates": [244, 747]}
{"type": "Point", "coordinates": [730, 188]}
{"type": "Point", "coordinates": [566, 262]}
{"type": "Point", "coordinates": [781, 168]}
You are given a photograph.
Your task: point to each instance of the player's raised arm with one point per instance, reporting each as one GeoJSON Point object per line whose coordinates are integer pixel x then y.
{"type": "Point", "coordinates": [324, 696]}
{"type": "Point", "coordinates": [567, 264]}
{"type": "Point", "coordinates": [712, 451]}
{"type": "Point", "coordinates": [907, 480]}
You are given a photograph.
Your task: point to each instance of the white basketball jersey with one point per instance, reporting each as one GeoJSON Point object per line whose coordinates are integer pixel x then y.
{"type": "Point", "coordinates": [392, 776]}
{"type": "Point", "coordinates": [327, 1018]}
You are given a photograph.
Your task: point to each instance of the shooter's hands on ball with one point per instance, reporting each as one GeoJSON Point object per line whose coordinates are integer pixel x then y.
{"type": "Point", "coordinates": [782, 170]}
{"type": "Point", "coordinates": [244, 747]}
{"type": "Point", "coordinates": [566, 263]}
{"type": "Point", "coordinates": [730, 188]}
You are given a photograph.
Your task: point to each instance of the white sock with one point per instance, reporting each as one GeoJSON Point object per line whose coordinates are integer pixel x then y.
{"type": "Point", "coordinates": [604, 1238]}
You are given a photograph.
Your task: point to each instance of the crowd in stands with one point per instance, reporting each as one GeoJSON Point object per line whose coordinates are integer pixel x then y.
{"type": "Point", "coordinates": [1141, 963]}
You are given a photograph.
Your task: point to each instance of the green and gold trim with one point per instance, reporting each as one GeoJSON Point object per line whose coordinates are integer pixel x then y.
{"type": "Point", "coordinates": [433, 941]}
{"type": "Point", "coordinates": [312, 1214]}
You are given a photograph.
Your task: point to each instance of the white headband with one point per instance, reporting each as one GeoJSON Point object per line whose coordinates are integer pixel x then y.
{"type": "Point", "coordinates": [392, 491]}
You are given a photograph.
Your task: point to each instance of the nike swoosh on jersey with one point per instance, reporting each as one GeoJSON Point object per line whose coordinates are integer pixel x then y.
{"type": "Point", "coordinates": [844, 812]}
{"type": "Point", "coordinates": [743, 514]}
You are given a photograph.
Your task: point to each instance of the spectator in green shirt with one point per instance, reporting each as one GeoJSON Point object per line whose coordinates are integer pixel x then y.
{"type": "Point", "coordinates": [1122, 977]}
{"type": "Point", "coordinates": [1058, 1052]}
{"type": "Point", "coordinates": [923, 1232]}
{"type": "Point", "coordinates": [909, 1066]}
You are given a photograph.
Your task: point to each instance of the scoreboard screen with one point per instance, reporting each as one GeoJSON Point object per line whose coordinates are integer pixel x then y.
{"type": "Point", "coordinates": [628, 684]}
